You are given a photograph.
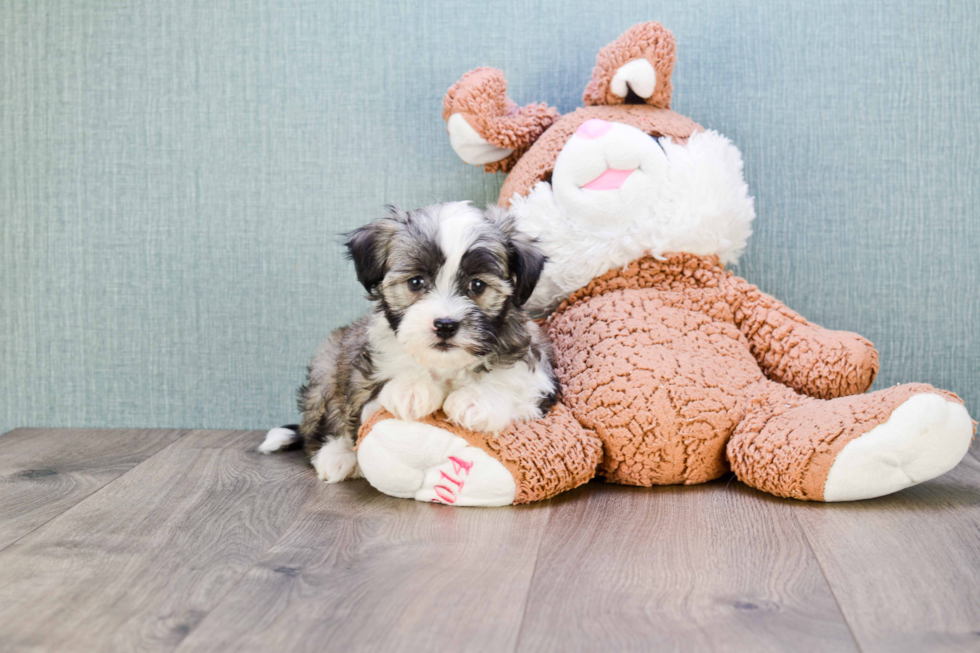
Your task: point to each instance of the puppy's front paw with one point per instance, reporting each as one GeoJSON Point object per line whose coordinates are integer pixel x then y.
{"type": "Point", "coordinates": [477, 410]}
{"type": "Point", "coordinates": [336, 461]}
{"type": "Point", "coordinates": [411, 399]}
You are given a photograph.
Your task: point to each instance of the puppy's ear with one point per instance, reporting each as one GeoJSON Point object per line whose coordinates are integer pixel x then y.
{"type": "Point", "coordinates": [524, 260]}
{"type": "Point", "coordinates": [368, 248]}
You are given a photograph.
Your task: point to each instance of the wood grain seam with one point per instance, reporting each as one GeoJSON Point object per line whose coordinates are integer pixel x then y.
{"type": "Point", "coordinates": [830, 586]}
{"type": "Point", "coordinates": [182, 433]}
{"type": "Point", "coordinates": [534, 572]}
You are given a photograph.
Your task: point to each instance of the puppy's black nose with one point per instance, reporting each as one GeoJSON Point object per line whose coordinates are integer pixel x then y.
{"type": "Point", "coordinates": [445, 328]}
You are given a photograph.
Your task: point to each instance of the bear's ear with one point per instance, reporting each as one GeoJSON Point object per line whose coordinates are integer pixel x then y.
{"type": "Point", "coordinates": [635, 68]}
{"type": "Point", "coordinates": [485, 127]}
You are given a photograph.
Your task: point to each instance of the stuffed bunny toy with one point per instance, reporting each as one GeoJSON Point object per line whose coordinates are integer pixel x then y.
{"type": "Point", "coordinates": [673, 370]}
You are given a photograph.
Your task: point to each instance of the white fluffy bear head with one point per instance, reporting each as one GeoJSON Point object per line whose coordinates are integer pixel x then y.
{"type": "Point", "coordinates": [623, 195]}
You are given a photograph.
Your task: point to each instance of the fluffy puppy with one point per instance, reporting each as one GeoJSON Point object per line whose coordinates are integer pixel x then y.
{"type": "Point", "coordinates": [448, 330]}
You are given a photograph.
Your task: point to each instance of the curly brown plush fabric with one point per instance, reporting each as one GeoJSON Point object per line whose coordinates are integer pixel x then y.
{"type": "Point", "coordinates": [808, 358]}
{"type": "Point", "coordinates": [480, 96]}
{"type": "Point", "coordinates": [651, 41]}
{"type": "Point", "coordinates": [668, 360]}
{"type": "Point", "coordinates": [546, 457]}
{"type": "Point", "coordinates": [539, 162]}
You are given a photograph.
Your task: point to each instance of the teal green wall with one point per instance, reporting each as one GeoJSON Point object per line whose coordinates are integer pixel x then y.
{"type": "Point", "coordinates": [173, 176]}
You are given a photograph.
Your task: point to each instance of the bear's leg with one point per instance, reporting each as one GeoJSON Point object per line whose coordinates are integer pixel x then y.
{"type": "Point", "coordinates": [435, 460]}
{"type": "Point", "coordinates": [418, 460]}
{"type": "Point", "coordinates": [849, 448]}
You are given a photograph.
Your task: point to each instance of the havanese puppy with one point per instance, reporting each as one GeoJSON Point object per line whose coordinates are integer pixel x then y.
{"type": "Point", "coordinates": [448, 330]}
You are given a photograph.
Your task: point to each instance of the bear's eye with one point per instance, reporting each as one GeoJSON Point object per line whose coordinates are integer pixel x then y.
{"type": "Point", "coordinates": [415, 284]}
{"type": "Point", "coordinates": [477, 287]}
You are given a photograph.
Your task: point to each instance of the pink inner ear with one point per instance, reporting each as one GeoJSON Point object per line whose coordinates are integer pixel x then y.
{"type": "Point", "coordinates": [593, 128]}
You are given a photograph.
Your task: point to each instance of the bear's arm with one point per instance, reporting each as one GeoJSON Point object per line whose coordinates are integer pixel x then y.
{"type": "Point", "coordinates": [810, 359]}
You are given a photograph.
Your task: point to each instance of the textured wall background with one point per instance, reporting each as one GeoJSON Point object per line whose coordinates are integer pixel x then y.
{"type": "Point", "coordinates": [173, 176]}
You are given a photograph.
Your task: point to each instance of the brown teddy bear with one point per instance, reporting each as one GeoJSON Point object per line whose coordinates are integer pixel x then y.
{"type": "Point", "coordinates": [673, 369]}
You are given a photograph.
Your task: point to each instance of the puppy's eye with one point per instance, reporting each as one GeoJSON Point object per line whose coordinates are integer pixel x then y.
{"type": "Point", "coordinates": [477, 287]}
{"type": "Point", "coordinates": [416, 284]}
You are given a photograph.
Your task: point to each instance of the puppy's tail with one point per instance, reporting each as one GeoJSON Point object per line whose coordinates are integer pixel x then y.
{"type": "Point", "coordinates": [281, 438]}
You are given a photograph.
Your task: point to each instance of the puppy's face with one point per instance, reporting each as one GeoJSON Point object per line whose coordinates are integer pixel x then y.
{"type": "Point", "coordinates": [446, 277]}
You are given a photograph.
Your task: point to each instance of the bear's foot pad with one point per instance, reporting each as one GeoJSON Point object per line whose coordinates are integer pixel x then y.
{"type": "Point", "coordinates": [415, 460]}
{"type": "Point", "coordinates": [925, 437]}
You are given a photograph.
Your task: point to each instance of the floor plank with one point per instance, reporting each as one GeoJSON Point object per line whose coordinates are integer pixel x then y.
{"type": "Point", "coordinates": [363, 572]}
{"type": "Point", "coordinates": [702, 568]}
{"type": "Point", "coordinates": [154, 540]}
{"type": "Point", "coordinates": [906, 568]}
{"type": "Point", "coordinates": [137, 565]}
{"type": "Point", "coordinates": [44, 472]}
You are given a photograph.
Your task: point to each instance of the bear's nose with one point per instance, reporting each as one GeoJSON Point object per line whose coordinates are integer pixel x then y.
{"type": "Point", "coordinates": [593, 128]}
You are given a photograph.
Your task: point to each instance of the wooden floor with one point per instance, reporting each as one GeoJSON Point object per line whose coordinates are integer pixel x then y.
{"type": "Point", "coordinates": [192, 541]}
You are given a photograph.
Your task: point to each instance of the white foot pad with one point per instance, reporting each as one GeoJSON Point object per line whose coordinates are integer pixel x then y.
{"type": "Point", "coordinates": [923, 438]}
{"type": "Point", "coordinates": [412, 460]}
{"type": "Point", "coordinates": [336, 461]}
